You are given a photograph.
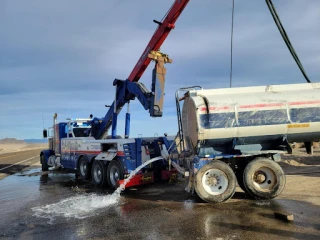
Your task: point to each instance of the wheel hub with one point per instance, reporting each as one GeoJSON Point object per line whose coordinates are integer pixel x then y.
{"type": "Point", "coordinates": [260, 177]}
{"type": "Point", "coordinates": [114, 175]}
{"type": "Point", "coordinates": [97, 174]}
{"type": "Point", "coordinates": [264, 179]}
{"type": "Point", "coordinates": [83, 168]}
{"type": "Point", "coordinates": [215, 181]}
{"type": "Point", "coordinates": [212, 180]}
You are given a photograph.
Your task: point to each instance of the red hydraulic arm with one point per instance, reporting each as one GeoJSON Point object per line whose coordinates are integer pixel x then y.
{"type": "Point", "coordinates": [158, 38]}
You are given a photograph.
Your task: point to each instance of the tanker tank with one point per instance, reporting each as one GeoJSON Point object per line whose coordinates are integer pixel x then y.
{"type": "Point", "coordinates": [252, 115]}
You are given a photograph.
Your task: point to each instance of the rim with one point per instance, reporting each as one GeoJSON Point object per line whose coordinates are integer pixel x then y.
{"type": "Point", "coordinates": [215, 181]}
{"type": "Point", "coordinates": [83, 168]}
{"type": "Point", "coordinates": [264, 179]}
{"type": "Point", "coordinates": [97, 174]}
{"type": "Point", "coordinates": [114, 175]}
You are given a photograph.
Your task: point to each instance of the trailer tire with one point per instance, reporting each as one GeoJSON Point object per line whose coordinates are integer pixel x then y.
{"type": "Point", "coordinates": [99, 173]}
{"type": "Point", "coordinates": [83, 168]}
{"type": "Point", "coordinates": [215, 182]}
{"type": "Point", "coordinates": [44, 164]}
{"type": "Point", "coordinates": [115, 173]}
{"type": "Point", "coordinates": [264, 179]}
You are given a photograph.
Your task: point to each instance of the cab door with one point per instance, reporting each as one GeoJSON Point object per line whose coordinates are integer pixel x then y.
{"type": "Point", "coordinates": [66, 153]}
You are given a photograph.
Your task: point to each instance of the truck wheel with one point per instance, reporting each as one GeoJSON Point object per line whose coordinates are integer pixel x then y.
{"type": "Point", "coordinates": [44, 164]}
{"type": "Point", "coordinates": [99, 173]}
{"type": "Point", "coordinates": [215, 182]}
{"type": "Point", "coordinates": [115, 173]}
{"type": "Point", "coordinates": [83, 168]}
{"type": "Point", "coordinates": [264, 178]}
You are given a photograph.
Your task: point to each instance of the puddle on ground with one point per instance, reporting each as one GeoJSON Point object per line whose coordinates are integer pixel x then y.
{"type": "Point", "coordinates": [18, 190]}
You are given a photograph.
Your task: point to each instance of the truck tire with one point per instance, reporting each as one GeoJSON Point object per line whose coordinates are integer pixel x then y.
{"type": "Point", "coordinates": [83, 168]}
{"type": "Point", "coordinates": [44, 164]}
{"type": "Point", "coordinates": [115, 173]}
{"type": "Point", "coordinates": [215, 182]}
{"type": "Point", "coordinates": [264, 179]}
{"type": "Point", "coordinates": [99, 173]}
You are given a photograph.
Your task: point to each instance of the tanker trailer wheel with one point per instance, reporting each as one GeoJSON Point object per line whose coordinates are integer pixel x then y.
{"type": "Point", "coordinates": [215, 182]}
{"type": "Point", "coordinates": [44, 164]}
{"type": "Point", "coordinates": [264, 179]}
{"type": "Point", "coordinates": [83, 168]}
{"type": "Point", "coordinates": [115, 173]}
{"type": "Point", "coordinates": [99, 173]}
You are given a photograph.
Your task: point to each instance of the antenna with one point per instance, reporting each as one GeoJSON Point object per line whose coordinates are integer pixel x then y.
{"type": "Point", "coordinates": [231, 46]}
{"type": "Point", "coordinates": [42, 121]}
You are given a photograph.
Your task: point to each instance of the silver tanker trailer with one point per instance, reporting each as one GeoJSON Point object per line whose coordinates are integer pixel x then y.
{"type": "Point", "coordinates": [237, 135]}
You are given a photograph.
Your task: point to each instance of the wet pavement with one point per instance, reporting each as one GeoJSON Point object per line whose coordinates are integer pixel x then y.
{"type": "Point", "coordinates": [55, 206]}
{"type": "Point", "coordinates": [14, 162]}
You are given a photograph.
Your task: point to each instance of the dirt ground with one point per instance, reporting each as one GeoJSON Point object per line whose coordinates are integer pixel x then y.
{"type": "Point", "coordinates": [18, 147]}
{"type": "Point", "coordinates": [302, 172]}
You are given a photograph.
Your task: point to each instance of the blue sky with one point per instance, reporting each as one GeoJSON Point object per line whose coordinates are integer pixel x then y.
{"type": "Point", "coordinates": [62, 56]}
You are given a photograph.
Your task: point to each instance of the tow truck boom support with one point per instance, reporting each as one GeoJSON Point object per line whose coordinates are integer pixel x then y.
{"type": "Point", "coordinates": [127, 90]}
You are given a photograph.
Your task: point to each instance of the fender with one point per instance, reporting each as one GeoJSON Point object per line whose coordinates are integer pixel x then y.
{"type": "Point", "coordinates": [47, 153]}
{"type": "Point", "coordinates": [85, 156]}
{"type": "Point", "coordinates": [107, 156]}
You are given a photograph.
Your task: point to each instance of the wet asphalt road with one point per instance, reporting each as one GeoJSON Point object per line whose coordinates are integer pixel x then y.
{"type": "Point", "coordinates": [157, 211]}
{"type": "Point", "coordinates": [11, 163]}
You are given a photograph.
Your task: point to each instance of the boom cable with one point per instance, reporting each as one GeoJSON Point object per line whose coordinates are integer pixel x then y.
{"type": "Point", "coordinates": [114, 6]}
{"type": "Point", "coordinates": [286, 38]}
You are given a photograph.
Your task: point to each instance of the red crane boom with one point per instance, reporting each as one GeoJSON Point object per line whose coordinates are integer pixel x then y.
{"type": "Point", "coordinates": [158, 38]}
{"type": "Point", "coordinates": [129, 89]}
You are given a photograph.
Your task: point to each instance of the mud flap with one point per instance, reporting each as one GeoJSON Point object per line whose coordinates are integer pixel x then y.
{"type": "Point", "coordinates": [139, 179]}
{"type": "Point", "coordinates": [191, 181]}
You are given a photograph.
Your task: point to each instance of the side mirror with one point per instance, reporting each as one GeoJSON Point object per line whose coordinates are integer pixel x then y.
{"type": "Point", "coordinates": [45, 133]}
